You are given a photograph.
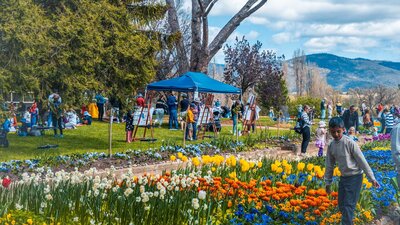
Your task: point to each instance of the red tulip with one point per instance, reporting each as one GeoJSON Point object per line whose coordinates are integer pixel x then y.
{"type": "Point", "coordinates": [6, 182]}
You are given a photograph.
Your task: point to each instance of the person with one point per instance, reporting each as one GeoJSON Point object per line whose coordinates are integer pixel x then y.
{"type": "Point", "coordinates": [100, 101]}
{"type": "Point", "coordinates": [389, 121]}
{"type": "Point", "coordinates": [374, 132]}
{"type": "Point", "coordinates": [3, 133]}
{"type": "Point", "coordinates": [352, 164]}
{"type": "Point", "coordinates": [367, 119]}
{"type": "Point", "coordinates": [330, 109]}
{"type": "Point", "coordinates": [190, 122]}
{"type": "Point", "coordinates": [140, 100]}
{"type": "Point", "coordinates": [299, 111]}
{"type": "Point", "coordinates": [83, 109]}
{"type": "Point", "coordinates": [395, 146]}
{"type": "Point", "coordinates": [87, 118]}
{"type": "Point", "coordinates": [271, 113]}
{"type": "Point", "coordinates": [352, 134]}
{"type": "Point", "coordinates": [196, 115]}
{"type": "Point", "coordinates": [116, 107]}
{"type": "Point", "coordinates": [27, 116]}
{"type": "Point", "coordinates": [56, 113]}
{"type": "Point", "coordinates": [71, 119]}
{"type": "Point", "coordinates": [93, 110]}
{"type": "Point", "coordinates": [350, 118]}
{"type": "Point", "coordinates": [323, 109]}
{"type": "Point", "coordinates": [321, 137]}
{"type": "Point", "coordinates": [306, 130]}
{"type": "Point", "coordinates": [363, 108]}
{"type": "Point", "coordinates": [173, 112]}
{"type": "Point", "coordinates": [379, 109]}
{"type": "Point", "coordinates": [129, 126]}
{"type": "Point", "coordinates": [184, 108]}
{"type": "Point", "coordinates": [217, 103]}
{"type": "Point", "coordinates": [160, 107]}
{"type": "Point", "coordinates": [237, 110]}
{"type": "Point", "coordinates": [34, 111]}
{"type": "Point", "coordinates": [339, 108]}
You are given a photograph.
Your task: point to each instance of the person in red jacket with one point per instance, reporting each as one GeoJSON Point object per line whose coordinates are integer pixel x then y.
{"type": "Point", "coordinates": [140, 100]}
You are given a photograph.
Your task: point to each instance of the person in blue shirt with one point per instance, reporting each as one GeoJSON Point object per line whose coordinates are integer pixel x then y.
{"type": "Point", "coordinates": [100, 105]}
{"type": "Point", "coordinates": [173, 111]}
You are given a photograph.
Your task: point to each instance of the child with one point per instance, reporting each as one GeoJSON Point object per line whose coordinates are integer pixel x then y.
{"type": "Point", "coordinates": [190, 122]}
{"type": "Point", "coordinates": [352, 165]}
{"type": "Point", "coordinates": [87, 118]}
{"type": "Point", "coordinates": [352, 134]}
{"type": "Point", "coordinates": [374, 132]}
{"type": "Point", "coordinates": [129, 126]}
{"type": "Point", "coordinates": [321, 137]}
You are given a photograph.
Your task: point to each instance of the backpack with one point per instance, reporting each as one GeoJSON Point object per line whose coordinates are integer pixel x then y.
{"type": "Point", "coordinates": [298, 128]}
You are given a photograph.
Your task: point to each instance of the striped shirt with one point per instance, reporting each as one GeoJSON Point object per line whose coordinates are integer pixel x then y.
{"type": "Point", "coordinates": [306, 119]}
{"type": "Point", "coordinates": [389, 120]}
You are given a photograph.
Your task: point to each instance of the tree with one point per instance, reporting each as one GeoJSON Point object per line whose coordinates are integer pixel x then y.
{"type": "Point", "coordinates": [299, 68]}
{"type": "Point", "coordinates": [248, 68]}
{"type": "Point", "coordinates": [243, 65]}
{"type": "Point", "coordinates": [272, 88]}
{"type": "Point", "coordinates": [73, 46]}
{"type": "Point", "coordinates": [202, 50]}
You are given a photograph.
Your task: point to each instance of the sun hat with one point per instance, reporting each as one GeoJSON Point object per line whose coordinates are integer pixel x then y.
{"type": "Point", "coordinates": [321, 124]}
{"type": "Point", "coordinates": [197, 99]}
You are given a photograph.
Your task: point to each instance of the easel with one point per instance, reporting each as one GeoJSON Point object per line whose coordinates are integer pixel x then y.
{"type": "Point", "coordinates": [149, 97]}
{"type": "Point", "coordinates": [246, 126]}
{"type": "Point", "coordinates": [204, 126]}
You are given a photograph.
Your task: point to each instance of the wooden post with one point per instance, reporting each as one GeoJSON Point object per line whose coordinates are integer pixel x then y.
{"type": "Point", "coordinates": [184, 134]}
{"type": "Point", "coordinates": [110, 133]}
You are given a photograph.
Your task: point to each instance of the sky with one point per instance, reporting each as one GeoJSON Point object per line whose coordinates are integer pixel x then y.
{"type": "Point", "coordinates": [349, 28]}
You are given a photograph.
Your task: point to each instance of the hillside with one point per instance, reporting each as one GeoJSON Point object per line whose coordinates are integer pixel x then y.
{"type": "Point", "coordinates": [344, 73]}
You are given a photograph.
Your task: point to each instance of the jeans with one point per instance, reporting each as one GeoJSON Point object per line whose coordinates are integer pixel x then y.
{"type": "Point", "coordinates": [49, 120]}
{"type": "Point", "coordinates": [57, 123]}
{"type": "Point", "coordinates": [349, 192]}
{"type": "Point", "coordinates": [173, 118]}
{"type": "Point", "coordinates": [194, 135]}
{"type": "Point", "coordinates": [101, 111]}
{"type": "Point", "coordinates": [306, 139]}
{"type": "Point", "coordinates": [323, 114]}
{"type": "Point", "coordinates": [160, 116]}
{"type": "Point", "coordinates": [234, 119]}
{"type": "Point", "coordinates": [33, 119]}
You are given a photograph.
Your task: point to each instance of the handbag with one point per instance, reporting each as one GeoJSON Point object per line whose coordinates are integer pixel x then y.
{"type": "Point", "coordinates": [298, 128]}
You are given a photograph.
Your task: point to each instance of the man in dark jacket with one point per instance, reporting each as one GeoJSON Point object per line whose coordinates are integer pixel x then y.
{"type": "Point", "coordinates": [350, 118]}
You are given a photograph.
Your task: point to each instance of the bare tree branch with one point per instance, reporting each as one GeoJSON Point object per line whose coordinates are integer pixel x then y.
{"type": "Point", "coordinates": [233, 23]}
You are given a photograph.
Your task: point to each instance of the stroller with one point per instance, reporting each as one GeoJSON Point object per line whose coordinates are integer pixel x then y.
{"type": "Point", "coordinates": [5, 128]}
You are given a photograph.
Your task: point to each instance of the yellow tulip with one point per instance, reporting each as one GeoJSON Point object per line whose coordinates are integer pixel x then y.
{"type": "Point", "coordinates": [172, 158]}
{"type": "Point", "coordinates": [300, 166]}
{"type": "Point", "coordinates": [29, 221]}
{"type": "Point", "coordinates": [196, 161]}
{"type": "Point", "coordinates": [259, 164]}
{"type": "Point", "coordinates": [180, 155]}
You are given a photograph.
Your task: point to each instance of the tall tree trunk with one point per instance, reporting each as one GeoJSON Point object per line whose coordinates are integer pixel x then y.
{"type": "Point", "coordinates": [202, 53]}
{"type": "Point", "coordinates": [183, 61]}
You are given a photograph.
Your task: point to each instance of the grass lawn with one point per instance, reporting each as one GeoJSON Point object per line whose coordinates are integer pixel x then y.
{"type": "Point", "coordinates": [94, 138]}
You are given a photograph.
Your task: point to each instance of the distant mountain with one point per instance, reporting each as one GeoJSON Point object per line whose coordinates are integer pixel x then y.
{"type": "Point", "coordinates": [344, 73]}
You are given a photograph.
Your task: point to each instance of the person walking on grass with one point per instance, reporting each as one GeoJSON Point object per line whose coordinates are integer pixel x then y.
{"type": "Point", "coordinates": [190, 122]}
{"type": "Point", "coordinates": [173, 111]}
{"type": "Point", "coordinates": [100, 101]}
{"type": "Point", "coordinates": [129, 126]}
{"type": "Point", "coordinates": [352, 164]}
{"type": "Point", "coordinates": [306, 130]}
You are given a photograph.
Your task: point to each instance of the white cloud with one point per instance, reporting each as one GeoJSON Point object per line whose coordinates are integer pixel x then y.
{"type": "Point", "coordinates": [281, 38]}
{"type": "Point", "coordinates": [252, 35]}
{"type": "Point", "coordinates": [344, 44]}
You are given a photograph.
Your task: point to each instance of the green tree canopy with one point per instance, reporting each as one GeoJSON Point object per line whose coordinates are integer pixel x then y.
{"type": "Point", "coordinates": [73, 46]}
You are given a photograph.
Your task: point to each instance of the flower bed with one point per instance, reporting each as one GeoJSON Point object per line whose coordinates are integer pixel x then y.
{"type": "Point", "coordinates": [210, 190]}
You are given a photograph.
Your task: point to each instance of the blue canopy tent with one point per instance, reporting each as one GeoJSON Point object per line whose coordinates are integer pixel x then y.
{"type": "Point", "coordinates": [193, 82]}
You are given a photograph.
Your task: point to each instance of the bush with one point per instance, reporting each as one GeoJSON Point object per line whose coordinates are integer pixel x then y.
{"type": "Point", "coordinates": [312, 102]}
